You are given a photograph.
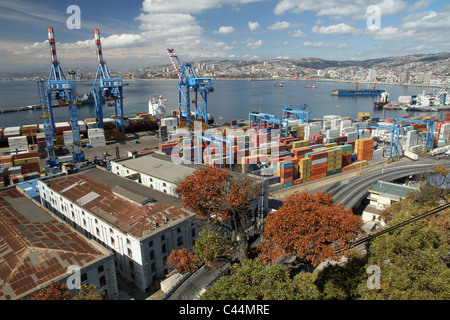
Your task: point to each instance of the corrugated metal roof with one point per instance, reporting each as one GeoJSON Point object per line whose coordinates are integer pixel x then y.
{"type": "Point", "coordinates": [36, 251]}
{"type": "Point", "coordinates": [125, 214]}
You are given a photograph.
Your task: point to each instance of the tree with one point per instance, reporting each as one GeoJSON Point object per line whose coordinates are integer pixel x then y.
{"type": "Point", "coordinates": [183, 261]}
{"type": "Point", "coordinates": [412, 263]}
{"type": "Point", "coordinates": [210, 247]}
{"type": "Point", "coordinates": [218, 196]}
{"type": "Point", "coordinates": [309, 226]}
{"type": "Point", "coordinates": [254, 281]}
{"type": "Point", "coordinates": [89, 292]}
{"type": "Point", "coordinates": [54, 291]}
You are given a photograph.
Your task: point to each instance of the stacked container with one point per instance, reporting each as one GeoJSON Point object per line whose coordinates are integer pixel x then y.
{"type": "Point", "coordinates": [18, 143]}
{"type": "Point", "coordinates": [364, 149]}
{"type": "Point", "coordinates": [304, 169]}
{"type": "Point", "coordinates": [96, 137]}
{"type": "Point", "coordinates": [319, 161]}
{"type": "Point", "coordinates": [287, 173]}
{"type": "Point", "coordinates": [41, 145]}
{"type": "Point", "coordinates": [334, 164]}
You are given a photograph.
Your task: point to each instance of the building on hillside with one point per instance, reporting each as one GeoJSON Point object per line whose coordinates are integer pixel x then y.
{"type": "Point", "coordinates": [139, 225]}
{"type": "Point", "coordinates": [381, 195]}
{"type": "Point", "coordinates": [37, 248]}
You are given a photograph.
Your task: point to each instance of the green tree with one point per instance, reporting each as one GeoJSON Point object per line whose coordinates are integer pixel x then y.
{"type": "Point", "coordinates": [412, 263]}
{"type": "Point", "coordinates": [210, 247]}
{"type": "Point", "coordinates": [89, 292]}
{"type": "Point", "coordinates": [340, 282]}
{"type": "Point", "coordinates": [255, 281]}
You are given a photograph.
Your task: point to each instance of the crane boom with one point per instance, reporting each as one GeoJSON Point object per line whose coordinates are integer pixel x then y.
{"type": "Point", "coordinates": [107, 88]}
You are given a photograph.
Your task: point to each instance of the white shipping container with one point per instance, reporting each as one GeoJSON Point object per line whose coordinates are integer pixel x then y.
{"type": "Point", "coordinates": [332, 133]}
{"type": "Point", "coordinates": [351, 136]}
{"type": "Point", "coordinates": [9, 131]}
{"type": "Point", "coordinates": [319, 161]}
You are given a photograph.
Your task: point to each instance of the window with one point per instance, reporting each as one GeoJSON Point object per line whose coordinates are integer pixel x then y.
{"type": "Point", "coordinates": [101, 268]}
{"type": "Point", "coordinates": [153, 267]}
{"type": "Point", "coordinates": [84, 222]}
{"type": "Point", "coordinates": [164, 248]}
{"type": "Point", "coordinates": [95, 220]}
{"type": "Point", "coordinates": [130, 253]}
{"type": "Point", "coordinates": [152, 254]}
{"type": "Point", "coordinates": [178, 230]}
{"type": "Point", "coordinates": [112, 240]}
{"type": "Point", "coordinates": [97, 231]}
{"type": "Point", "coordinates": [164, 184]}
{"type": "Point", "coordinates": [102, 281]}
{"type": "Point", "coordinates": [163, 237]}
{"type": "Point", "coordinates": [150, 243]}
{"type": "Point", "coordinates": [179, 241]}
{"type": "Point", "coordinates": [84, 277]}
{"type": "Point", "coordinates": [128, 242]}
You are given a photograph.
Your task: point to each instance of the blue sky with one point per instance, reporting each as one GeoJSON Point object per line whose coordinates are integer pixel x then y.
{"type": "Point", "coordinates": [137, 33]}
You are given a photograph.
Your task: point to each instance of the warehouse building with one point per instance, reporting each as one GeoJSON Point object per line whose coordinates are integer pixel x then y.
{"type": "Point", "coordinates": [37, 248]}
{"type": "Point", "coordinates": [139, 225]}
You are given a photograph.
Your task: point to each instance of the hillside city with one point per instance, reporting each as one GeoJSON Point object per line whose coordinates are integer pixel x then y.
{"type": "Point", "coordinates": [425, 69]}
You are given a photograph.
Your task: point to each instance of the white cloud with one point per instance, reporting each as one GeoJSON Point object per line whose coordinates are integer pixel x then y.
{"type": "Point", "coordinates": [191, 7]}
{"type": "Point", "coordinates": [253, 26]}
{"type": "Point", "coordinates": [225, 30]}
{"type": "Point", "coordinates": [321, 44]}
{"type": "Point", "coordinates": [255, 44]}
{"type": "Point", "coordinates": [342, 8]}
{"type": "Point", "coordinates": [280, 25]}
{"type": "Point", "coordinates": [297, 34]}
{"type": "Point", "coordinates": [336, 29]}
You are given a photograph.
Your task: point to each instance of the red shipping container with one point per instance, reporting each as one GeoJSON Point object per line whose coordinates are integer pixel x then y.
{"type": "Point", "coordinates": [297, 182]}
{"type": "Point", "coordinates": [31, 167]}
{"type": "Point", "coordinates": [318, 155]}
{"type": "Point", "coordinates": [285, 172]}
{"type": "Point", "coordinates": [318, 171]}
{"type": "Point", "coordinates": [287, 179]}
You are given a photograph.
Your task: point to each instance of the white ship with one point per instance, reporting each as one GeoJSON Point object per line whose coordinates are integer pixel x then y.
{"type": "Point", "coordinates": [157, 107]}
{"type": "Point", "coordinates": [431, 101]}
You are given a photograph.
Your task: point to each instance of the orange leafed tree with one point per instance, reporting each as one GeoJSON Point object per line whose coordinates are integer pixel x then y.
{"type": "Point", "coordinates": [311, 227]}
{"type": "Point", "coordinates": [218, 196]}
{"type": "Point", "coordinates": [54, 291]}
{"type": "Point", "coordinates": [183, 261]}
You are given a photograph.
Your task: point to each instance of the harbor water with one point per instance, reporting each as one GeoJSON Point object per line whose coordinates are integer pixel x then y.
{"type": "Point", "coordinates": [231, 99]}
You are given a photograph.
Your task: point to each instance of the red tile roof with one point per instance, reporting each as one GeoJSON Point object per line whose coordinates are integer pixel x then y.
{"type": "Point", "coordinates": [33, 252]}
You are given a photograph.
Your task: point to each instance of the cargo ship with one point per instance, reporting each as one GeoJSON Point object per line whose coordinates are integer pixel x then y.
{"type": "Point", "coordinates": [357, 92]}
{"type": "Point", "coordinates": [426, 102]}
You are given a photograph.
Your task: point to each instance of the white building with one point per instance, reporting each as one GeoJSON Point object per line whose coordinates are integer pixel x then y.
{"type": "Point", "coordinates": [381, 195]}
{"type": "Point", "coordinates": [154, 171]}
{"type": "Point", "coordinates": [140, 226]}
{"type": "Point", "coordinates": [372, 75]}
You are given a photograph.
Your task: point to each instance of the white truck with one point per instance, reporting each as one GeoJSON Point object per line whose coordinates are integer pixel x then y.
{"type": "Point", "coordinates": [438, 151]}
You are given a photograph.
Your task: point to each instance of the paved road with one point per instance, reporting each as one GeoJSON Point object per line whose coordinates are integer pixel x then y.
{"type": "Point", "coordinates": [351, 193]}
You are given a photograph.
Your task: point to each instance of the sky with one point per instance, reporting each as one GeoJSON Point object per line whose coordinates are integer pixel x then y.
{"type": "Point", "coordinates": [136, 33]}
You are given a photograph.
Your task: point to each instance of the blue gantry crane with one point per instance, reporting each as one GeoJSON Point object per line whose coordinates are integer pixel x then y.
{"type": "Point", "coordinates": [429, 142]}
{"type": "Point", "coordinates": [255, 117]}
{"type": "Point", "coordinates": [107, 88]}
{"type": "Point", "coordinates": [394, 130]}
{"type": "Point", "coordinates": [64, 92]}
{"type": "Point", "coordinates": [298, 112]}
{"type": "Point", "coordinates": [189, 82]}
{"type": "Point", "coordinates": [51, 157]}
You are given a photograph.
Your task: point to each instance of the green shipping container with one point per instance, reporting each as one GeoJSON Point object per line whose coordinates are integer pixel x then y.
{"type": "Point", "coordinates": [287, 185]}
{"type": "Point", "coordinates": [330, 173]}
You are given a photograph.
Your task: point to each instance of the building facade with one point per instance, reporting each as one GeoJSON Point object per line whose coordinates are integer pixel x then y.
{"type": "Point", "coordinates": [124, 217]}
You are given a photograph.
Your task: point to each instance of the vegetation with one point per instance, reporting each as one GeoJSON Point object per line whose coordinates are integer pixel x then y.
{"type": "Point", "coordinates": [309, 226]}
{"type": "Point", "coordinates": [219, 197]}
{"type": "Point", "coordinates": [59, 291]}
{"type": "Point", "coordinates": [413, 261]}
